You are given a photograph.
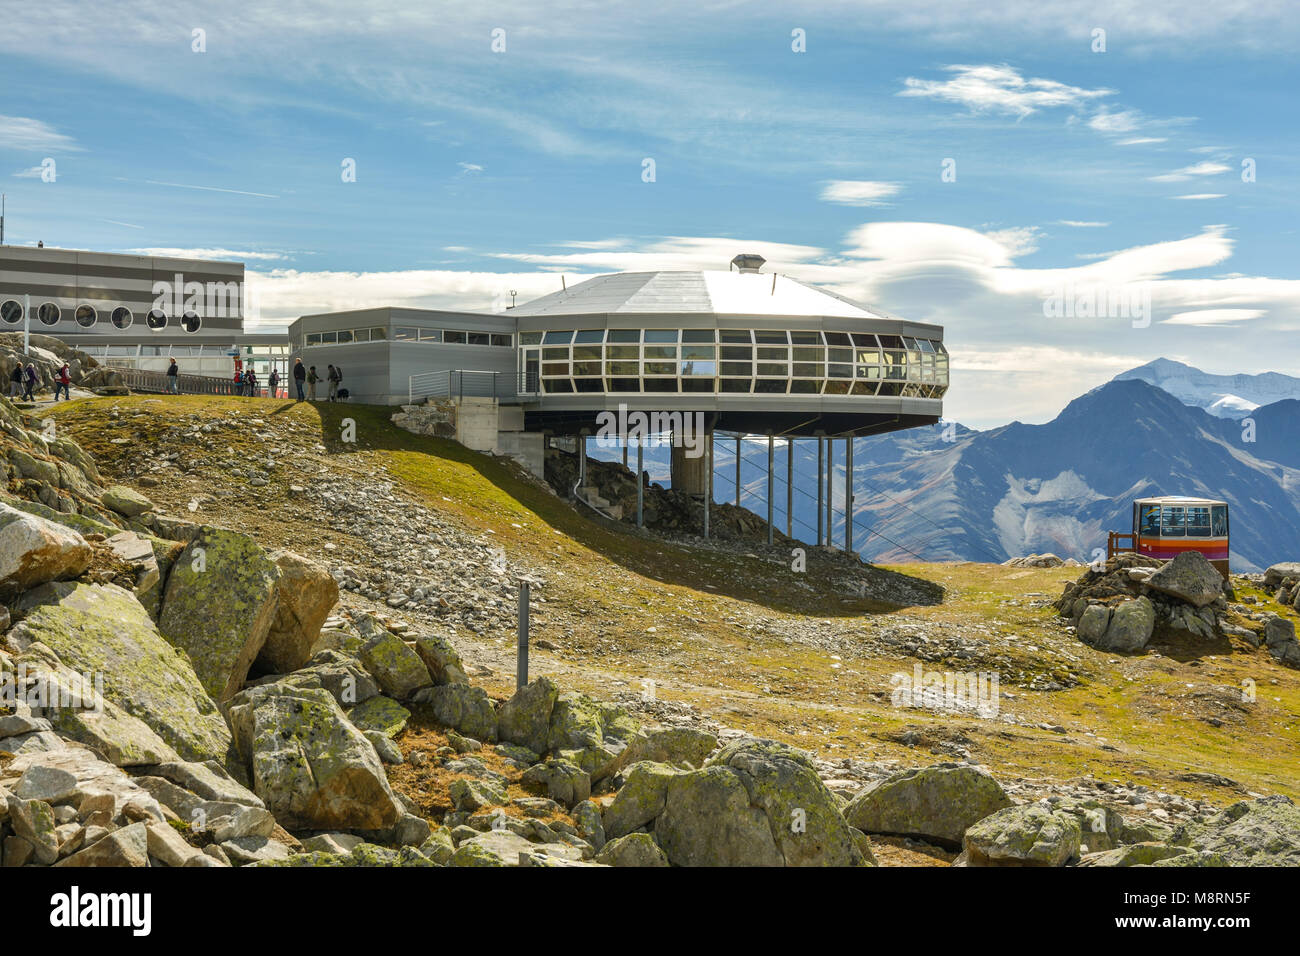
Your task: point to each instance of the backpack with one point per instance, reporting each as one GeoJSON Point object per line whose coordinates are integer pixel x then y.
{"type": "Point", "coordinates": [338, 374]}
{"type": "Point", "coordinates": [17, 374]}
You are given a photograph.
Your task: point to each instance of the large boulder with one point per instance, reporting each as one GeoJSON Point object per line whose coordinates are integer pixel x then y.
{"type": "Point", "coordinates": [34, 550]}
{"type": "Point", "coordinates": [1130, 627]}
{"type": "Point", "coordinates": [679, 746]}
{"type": "Point", "coordinates": [103, 629]}
{"type": "Point", "coordinates": [1188, 577]}
{"type": "Point", "coordinates": [310, 765]}
{"type": "Point", "coordinates": [441, 658]}
{"type": "Point", "coordinates": [1030, 835]}
{"type": "Point", "coordinates": [1277, 573]}
{"type": "Point", "coordinates": [395, 665]}
{"type": "Point", "coordinates": [934, 803]}
{"type": "Point", "coordinates": [219, 606]}
{"type": "Point", "coordinates": [305, 594]}
{"type": "Point", "coordinates": [126, 501]}
{"type": "Point", "coordinates": [635, 849]}
{"type": "Point", "coordinates": [465, 709]}
{"type": "Point", "coordinates": [525, 718]}
{"type": "Point", "coordinates": [1093, 622]}
{"type": "Point", "coordinates": [1262, 832]}
{"type": "Point", "coordinates": [757, 803]}
{"type": "Point", "coordinates": [640, 800]}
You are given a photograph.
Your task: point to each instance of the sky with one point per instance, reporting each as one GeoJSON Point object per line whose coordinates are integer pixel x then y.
{"type": "Point", "coordinates": [1071, 189]}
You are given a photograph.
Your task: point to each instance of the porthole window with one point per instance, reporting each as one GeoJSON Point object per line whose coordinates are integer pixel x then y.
{"type": "Point", "coordinates": [49, 313]}
{"type": "Point", "coordinates": [11, 311]}
{"type": "Point", "coordinates": [86, 316]}
{"type": "Point", "coordinates": [156, 320]}
{"type": "Point", "coordinates": [122, 317]}
{"type": "Point", "coordinates": [191, 322]}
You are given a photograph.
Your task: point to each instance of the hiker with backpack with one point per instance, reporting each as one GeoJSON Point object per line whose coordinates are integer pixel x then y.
{"type": "Point", "coordinates": [299, 376]}
{"type": "Point", "coordinates": [29, 377]}
{"type": "Point", "coordinates": [312, 379]}
{"type": "Point", "coordinates": [332, 383]}
{"type": "Point", "coordinates": [63, 383]}
{"type": "Point", "coordinates": [173, 370]}
{"type": "Point", "coordinates": [274, 383]}
{"type": "Point", "coordinates": [16, 381]}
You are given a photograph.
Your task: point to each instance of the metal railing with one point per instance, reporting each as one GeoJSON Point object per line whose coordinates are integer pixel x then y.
{"type": "Point", "coordinates": [140, 380]}
{"type": "Point", "coordinates": [460, 383]}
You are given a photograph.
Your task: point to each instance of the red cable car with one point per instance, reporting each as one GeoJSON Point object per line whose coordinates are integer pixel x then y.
{"type": "Point", "coordinates": [1165, 527]}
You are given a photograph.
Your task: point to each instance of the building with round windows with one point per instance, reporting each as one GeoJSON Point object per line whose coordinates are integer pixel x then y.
{"type": "Point", "coordinates": [136, 311]}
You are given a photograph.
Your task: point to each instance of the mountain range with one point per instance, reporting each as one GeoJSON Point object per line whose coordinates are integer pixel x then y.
{"type": "Point", "coordinates": [1225, 396]}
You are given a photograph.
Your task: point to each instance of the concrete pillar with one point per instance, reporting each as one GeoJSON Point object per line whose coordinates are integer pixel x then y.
{"type": "Point", "coordinates": [688, 475]}
{"type": "Point", "coordinates": [770, 452]}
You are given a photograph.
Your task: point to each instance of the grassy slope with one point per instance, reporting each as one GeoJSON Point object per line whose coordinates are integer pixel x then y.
{"type": "Point", "coordinates": [758, 646]}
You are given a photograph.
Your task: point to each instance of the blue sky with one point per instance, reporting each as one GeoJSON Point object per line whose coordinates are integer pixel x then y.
{"type": "Point", "coordinates": [479, 172]}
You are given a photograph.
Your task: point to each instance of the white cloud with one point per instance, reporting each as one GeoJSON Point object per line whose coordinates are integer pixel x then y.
{"type": "Point", "coordinates": [1213, 317]}
{"type": "Point", "coordinates": [32, 172]}
{"type": "Point", "coordinates": [858, 192]}
{"type": "Point", "coordinates": [1082, 223]}
{"type": "Point", "coordinates": [235, 255]}
{"type": "Point", "coordinates": [1142, 140]}
{"type": "Point", "coordinates": [1000, 89]}
{"type": "Point", "coordinates": [1202, 196]}
{"type": "Point", "coordinates": [22, 132]}
{"type": "Point", "coordinates": [1206, 168]}
{"type": "Point", "coordinates": [1104, 121]}
{"type": "Point", "coordinates": [469, 168]}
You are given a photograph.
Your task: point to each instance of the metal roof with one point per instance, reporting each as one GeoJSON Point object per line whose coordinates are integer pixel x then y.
{"type": "Point", "coordinates": [709, 292]}
{"type": "Point", "coordinates": [1178, 500]}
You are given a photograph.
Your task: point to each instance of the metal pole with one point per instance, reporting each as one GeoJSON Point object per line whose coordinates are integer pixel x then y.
{"type": "Point", "coordinates": [821, 463]}
{"type": "Point", "coordinates": [830, 496]}
{"type": "Point", "coordinates": [770, 448]}
{"type": "Point", "coordinates": [848, 494]}
{"type": "Point", "coordinates": [624, 451]}
{"type": "Point", "coordinates": [708, 482]}
{"type": "Point", "coordinates": [640, 486]}
{"type": "Point", "coordinates": [789, 487]}
{"type": "Point", "coordinates": [27, 323]}
{"type": "Point", "coordinates": [521, 656]}
{"type": "Point", "coordinates": [739, 454]}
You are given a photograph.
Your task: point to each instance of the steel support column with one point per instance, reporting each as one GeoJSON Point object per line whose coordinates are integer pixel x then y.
{"type": "Point", "coordinates": [770, 453]}
{"type": "Point", "coordinates": [789, 487]}
{"type": "Point", "coordinates": [821, 464]}
{"type": "Point", "coordinates": [848, 494]}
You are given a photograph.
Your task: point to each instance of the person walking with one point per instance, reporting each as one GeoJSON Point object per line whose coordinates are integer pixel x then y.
{"type": "Point", "coordinates": [312, 379]}
{"type": "Point", "coordinates": [63, 383]}
{"type": "Point", "coordinates": [331, 383]}
{"type": "Point", "coordinates": [173, 371]}
{"type": "Point", "coordinates": [16, 381]}
{"type": "Point", "coordinates": [30, 378]}
{"type": "Point", "coordinates": [252, 384]}
{"type": "Point", "coordinates": [274, 382]}
{"type": "Point", "coordinates": [299, 376]}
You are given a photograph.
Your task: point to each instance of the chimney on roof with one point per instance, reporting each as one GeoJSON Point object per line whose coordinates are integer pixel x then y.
{"type": "Point", "coordinates": [748, 262]}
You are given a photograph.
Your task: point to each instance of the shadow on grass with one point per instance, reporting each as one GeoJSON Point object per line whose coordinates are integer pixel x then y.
{"type": "Point", "coordinates": [769, 582]}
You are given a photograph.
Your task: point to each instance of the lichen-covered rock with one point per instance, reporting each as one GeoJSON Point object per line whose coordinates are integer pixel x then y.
{"type": "Point", "coordinates": [128, 846]}
{"type": "Point", "coordinates": [564, 782]}
{"type": "Point", "coordinates": [934, 803]}
{"type": "Point", "coordinates": [1130, 627]}
{"type": "Point", "coordinates": [468, 794]}
{"type": "Point", "coordinates": [1262, 832]}
{"type": "Point", "coordinates": [679, 746]}
{"type": "Point", "coordinates": [34, 551]}
{"type": "Point", "coordinates": [640, 800]}
{"type": "Point", "coordinates": [103, 629]}
{"type": "Point", "coordinates": [466, 709]}
{"type": "Point", "coordinates": [635, 849]}
{"type": "Point", "coordinates": [305, 594]}
{"type": "Point", "coordinates": [396, 666]}
{"type": "Point", "coordinates": [310, 765]}
{"type": "Point", "coordinates": [344, 677]}
{"type": "Point", "coordinates": [1030, 835]}
{"type": "Point", "coordinates": [218, 607]}
{"type": "Point", "coordinates": [1093, 622]}
{"type": "Point", "coordinates": [1135, 854]}
{"type": "Point", "coordinates": [441, 658]}
{"type": "Point", "coordinates": [708, 820]}
{"type": "Point", "coordinates": [381, 714]}
{"type": "Point", "coordinates": [1188, 577]}
{"type": "Point", "coordinates": [503, 848]}
{"type": "Point", "coordinates": [525, 718]}
{"type": "Point", "coordinates": [33, 821]}
{"type": "Point", "coordinates": [126, 501]}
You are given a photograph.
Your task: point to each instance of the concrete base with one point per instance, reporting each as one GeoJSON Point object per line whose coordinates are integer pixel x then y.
{"type": "Point", "coordinates": [527, 448]}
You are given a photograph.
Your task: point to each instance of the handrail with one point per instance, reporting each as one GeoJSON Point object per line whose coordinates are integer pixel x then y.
{"type": "Point", "coordinates": [1113, 545]}
{"type": "Point", "coordinates": [142, 380]}
{"type": "Point", "coordinates": [456, 383]}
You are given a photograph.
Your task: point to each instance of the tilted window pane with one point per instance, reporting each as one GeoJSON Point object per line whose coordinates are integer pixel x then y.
{"type": "Point", "coordinates": [558, 338]}
{"type": "Point", "coordinates": [530, 338]}
{"type": "Point", "coordinates": [624, 335]}
{"type": "Point", "coordinates": [770, 337]}
{"type": "Point", "coordinates": [589, 335]}
{"type": "Point", "coordinates": [661, 335]}
{"type": "Point", "coordinates": [806, 338]}
{"type": "Point", "coordinates": [736, 335]}
{"type": "Point", "coordinates": [699, 335]}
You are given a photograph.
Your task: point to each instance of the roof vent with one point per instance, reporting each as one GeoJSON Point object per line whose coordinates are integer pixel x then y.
{"type": "Point", "coordinates": [748, 262]}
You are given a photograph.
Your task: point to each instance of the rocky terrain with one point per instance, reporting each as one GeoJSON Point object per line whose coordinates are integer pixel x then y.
{"type": "Point", "coordinates": [236, 640]}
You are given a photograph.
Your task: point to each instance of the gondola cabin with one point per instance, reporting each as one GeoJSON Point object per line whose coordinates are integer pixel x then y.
{"type": "Point", "coordinates": [1165, 527]}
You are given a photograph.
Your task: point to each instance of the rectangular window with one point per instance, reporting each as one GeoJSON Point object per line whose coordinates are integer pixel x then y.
{"type": "Point", "coordinates": [699, 335]}
{"type": "Point", "coordinates": [555, 355]}
{"type": "Point", "coordinates": [806, 338]}
{"type": "Point", "coordinates": [554, 369]}
{"type": "Point", "coordinates": [450, 336]}
{"type": "Point", "coordinates": [661, 335]}
{"type": "Point", "coordinates": [661, 351]}
{"type": "Point", "coordinates": [558, 338]}
{"type": "Point", "coordinates": [808, 370]}
{"type": "Point", "coordinates": [771, 354]}
{"type": "Point", "coordinates": [313, 338]}
{"type": "Point", "coordinates": [586, 352]}
{"type": "Point", "coordinates": [378, 333]}
{"type": "Point", "coordinates": [623, 335]}
{"type": "Point", "coordinates": [1219, 521]}
{"type": "Point", "coordinates": [345, 336]}
{"type": "Point", "coordinates": [735, 385]}
{"type": "Point", "coordinates": [501, 340]}
{"type": "Point", "coordinates": [770, 337]}
{"type": "Point", "coordinates": [586, 368]}
{"type": "Point", "coordinates": [736, 335]}
{"type": "Point", "coordinates": [1198, 521]}
{"type": "Point", "coordinates": [1172, 522]}
{"type": "Point", "coordinates": [739, 353]}
{"type": "Point", "coordinates": [530, 338]}
{"type": "Point", "coordinates": [745, 369]}
{"type": "Point", "coordinates": [403, 333]}
{"type": "Point", "coordinates": [661, 368]}
{"type": "Point", "coordinates": [329, 338]}
{"type": "Point", "coordinates": [838, 338]}
{"type": "Point", "coordinates": [589, 336]}
{"type": "Point", "coordinates": [623, 368]}
{"type": "Point", "coordinates": [774, 368]}
{"type": "Point", "coordinates": [431, 335]}
{"type": "Point", "coordinates": [480, 338]}
{"type": "Point", "coordinates": [864, 341]}
{"type": "Point", "coordinates": [361, 335]}
{"type": "Point", "coordinates": [699, 352]}
{"type": "Point", "coordinates": [622, 351]}
{"type": "Point", "coordinates": [699, 368]}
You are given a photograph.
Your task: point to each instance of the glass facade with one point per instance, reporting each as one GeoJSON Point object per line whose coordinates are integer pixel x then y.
{"type": "Point", "coordinates": [738, 361]}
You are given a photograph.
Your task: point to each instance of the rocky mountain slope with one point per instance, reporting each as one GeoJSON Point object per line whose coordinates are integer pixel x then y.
{"type": "Point", "coordinates": [1224, 396]}
{"type": "Point", "coordinates": [385, 729]}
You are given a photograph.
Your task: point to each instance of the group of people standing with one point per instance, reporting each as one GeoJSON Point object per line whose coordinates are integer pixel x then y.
{"type": "Point", "coordinates": [302, 375]}
{"type": "Point", "coordinates": [25, 381]}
